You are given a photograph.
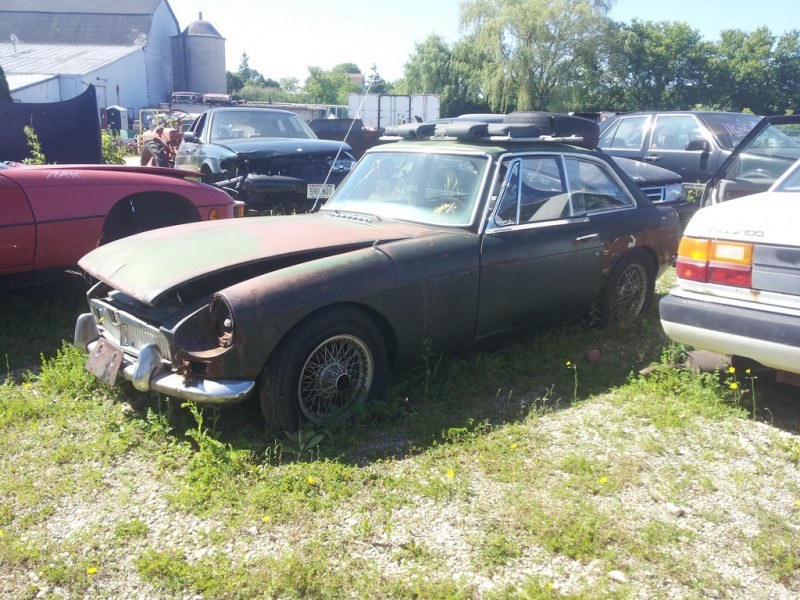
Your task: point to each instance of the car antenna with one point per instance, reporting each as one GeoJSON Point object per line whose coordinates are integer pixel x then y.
{"type": "Point", "coordinates": [316, 205]}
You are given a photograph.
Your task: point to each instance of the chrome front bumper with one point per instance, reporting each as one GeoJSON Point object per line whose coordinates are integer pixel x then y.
{"type": "Point", "coordinates": [148, 372]}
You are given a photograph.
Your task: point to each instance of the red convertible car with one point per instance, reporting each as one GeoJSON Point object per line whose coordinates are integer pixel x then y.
{"type": "Point", "coordinates": [51, 215]}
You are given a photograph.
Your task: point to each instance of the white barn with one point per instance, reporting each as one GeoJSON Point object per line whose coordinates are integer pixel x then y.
{"type": "Point", "coordinates": [50, 51]}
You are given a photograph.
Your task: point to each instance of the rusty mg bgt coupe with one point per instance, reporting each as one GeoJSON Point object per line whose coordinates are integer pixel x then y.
{"type": "Point", "coordinates": [455, 233]}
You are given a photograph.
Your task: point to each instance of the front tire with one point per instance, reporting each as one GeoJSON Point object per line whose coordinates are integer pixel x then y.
{"type": "Point", "coordinates": [629, 290]}
{"type": "Point", "coordinates": [329, 363]}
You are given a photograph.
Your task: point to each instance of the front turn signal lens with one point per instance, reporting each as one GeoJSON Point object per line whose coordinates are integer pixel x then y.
{"type": "Point", "coordinates": [212, 215]}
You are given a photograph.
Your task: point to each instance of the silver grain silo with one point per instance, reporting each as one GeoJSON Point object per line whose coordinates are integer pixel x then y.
{"type": "Point", "coordinates": [198, 59]}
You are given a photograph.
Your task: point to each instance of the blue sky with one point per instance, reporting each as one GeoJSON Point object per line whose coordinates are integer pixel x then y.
{"type": "Point", "coordinates": [283, 38]}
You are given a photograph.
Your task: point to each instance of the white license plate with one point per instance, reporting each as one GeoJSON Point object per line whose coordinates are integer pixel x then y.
{"type": "Point", "coordinates": [319, 190]}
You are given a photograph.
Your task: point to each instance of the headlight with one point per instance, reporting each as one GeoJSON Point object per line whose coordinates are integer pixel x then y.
{"type": "Point", "coordinates": [342, 165]}
{"type": "Point", "coordinates": [674, 192]}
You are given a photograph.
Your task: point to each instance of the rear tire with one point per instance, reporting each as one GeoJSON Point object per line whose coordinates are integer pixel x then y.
{"type": "Point", "coordinates": [629, 289]}
{"type": "Point", "coordinates": [329, 363]}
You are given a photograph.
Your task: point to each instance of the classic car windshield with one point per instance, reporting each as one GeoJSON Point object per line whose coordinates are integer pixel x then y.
{"type": "Point", "coordinates": [238, 123]}
{"type": "Point", "coordinates": [415, 186]}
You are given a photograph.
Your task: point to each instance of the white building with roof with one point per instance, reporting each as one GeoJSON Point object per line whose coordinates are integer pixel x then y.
{"type": "Point", "coordinates": [51, 51]}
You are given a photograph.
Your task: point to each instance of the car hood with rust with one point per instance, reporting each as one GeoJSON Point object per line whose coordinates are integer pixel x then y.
{"type": "Point", "coordinates": [265, 147]}
{"type": "Point", "coordinates": [151, 264]}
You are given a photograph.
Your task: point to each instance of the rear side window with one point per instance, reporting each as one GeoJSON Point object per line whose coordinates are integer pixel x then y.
{"type": "Point", "coordinates": [673, 132]}
{"type": "Point", "coordinates": [628, 134]}
{"type": "Point", "coordinates": [593, 189]}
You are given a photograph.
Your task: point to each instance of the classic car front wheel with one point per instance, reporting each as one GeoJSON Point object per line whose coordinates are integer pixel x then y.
{"type": "Point", "coordinates": [333, 360]}
{"type": "Point", "coordinates": [630, 287]}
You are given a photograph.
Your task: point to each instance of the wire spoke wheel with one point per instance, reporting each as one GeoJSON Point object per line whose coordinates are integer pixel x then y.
{"type": "Point", "coordinates": [337, 372]}
{"type": "Point", "coordinates": [630, 293]}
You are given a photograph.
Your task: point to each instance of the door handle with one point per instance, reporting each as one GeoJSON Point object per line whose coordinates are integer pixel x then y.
{"type": "Point", "coordinates": [652, 158]}
{"type": "Point", "coordinates": [586, 238]}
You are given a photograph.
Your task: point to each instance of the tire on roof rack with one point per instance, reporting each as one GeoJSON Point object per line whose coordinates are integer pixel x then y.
{"type": "Point", "coordinates": [559, 125]}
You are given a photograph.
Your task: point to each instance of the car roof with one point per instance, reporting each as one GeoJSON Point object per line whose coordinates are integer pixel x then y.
{"type": "Point", "coordinates": [250, 108]}
{"type": "Point", "coordinates": [680, 112]}
{"type": "Point", "coordinates": [492, 147]}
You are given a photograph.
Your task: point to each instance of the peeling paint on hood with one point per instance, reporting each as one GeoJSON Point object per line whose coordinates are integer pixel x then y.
{"type": "Point", "coordinates": [148, 265]}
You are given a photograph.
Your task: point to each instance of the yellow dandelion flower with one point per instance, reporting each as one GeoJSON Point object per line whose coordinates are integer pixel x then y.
{"type": "Point", "coordinates": [734, 385]}
{"type": "Point", "coordinates": [451, 473]}
{"type": "Point", "coordinates": [603, 480]}
{"type": "Point", "coordinates": [513, 446]}
{"type": "Point", "coordinates": [550, 586]}
{"type": "Point", "coordinates": [311, 481]}
{"type": "Point", "coordinates": [569, 363]}
{"type": "Point", "coordinates": [747, 371]}
{"type": "Point", "coordinates": [2, 533]}
{"type": "Point", "coordinates": [91, 570]}
{"type": "Point", "coordinates": [266, 519]}
{"type": "Point", "coordinates": [731, 369]}
{"type": "Point", "coordinates": [27, 385]}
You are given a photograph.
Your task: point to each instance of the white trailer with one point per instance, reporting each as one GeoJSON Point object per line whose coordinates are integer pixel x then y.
{"type": "Point", "coordinates": [379, 112]}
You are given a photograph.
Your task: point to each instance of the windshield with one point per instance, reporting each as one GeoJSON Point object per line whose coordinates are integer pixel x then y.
{"type": "Point", "coordinates": [730, 128]}
{"type": "Point", "coordinates": [425, 187]}
{"type": "Point", "coordinates": [234, 124]}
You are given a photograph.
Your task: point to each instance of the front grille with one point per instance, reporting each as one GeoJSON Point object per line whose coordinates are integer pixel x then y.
{"type": "Point", "coordinates": [126, 331]}
{"type": "Point", "coordinates": [307, 168]}
{"type": "Point", "coordinates": [655, 194]}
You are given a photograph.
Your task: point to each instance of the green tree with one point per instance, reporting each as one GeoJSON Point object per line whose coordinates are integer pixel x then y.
{"type": "Point", "coordinates": [655, 66]}
{"type": "Point", "coordinates": [375, 83]}
{"type": "Point", "coordinates": [327, 87]}
{"type": "Point", "coordinates": [245, 72]}
{"type": "Point", "coordinates": [5, 92]}
{"type": "Point", "coordinates": [787, 71]}
{"type": "Point", "coordinates": [348, 68]}
{"type": "Point", "coordinates": [233, 82]}
{"type": "Point", "coordinates": [289, 84]}
{"type": "Point", "coordinates": [532, 46]}
{"type": "Point", "coordinates": [742, 70]}
{"type": "Point", "coordinates": [435, 68]}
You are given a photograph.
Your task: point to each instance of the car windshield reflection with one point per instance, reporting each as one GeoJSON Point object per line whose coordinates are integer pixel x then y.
{"type": "Point", "coordinates": [431, 188]}
{"type": "Point", "coordinates": [236, 124]}
{"type": "Point", "coordinates": [791, 182]}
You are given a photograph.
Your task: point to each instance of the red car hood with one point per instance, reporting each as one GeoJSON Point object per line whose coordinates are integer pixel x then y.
{"type": "Point", "coordinates": [148, 265]}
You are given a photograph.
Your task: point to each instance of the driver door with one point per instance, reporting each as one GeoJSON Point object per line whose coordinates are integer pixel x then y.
{"type": "Point", "coordinates": [540, 255]}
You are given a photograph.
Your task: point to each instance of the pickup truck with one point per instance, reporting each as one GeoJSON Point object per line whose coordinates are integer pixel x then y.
{"type": "Point", "coordinates": [359, 138]}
